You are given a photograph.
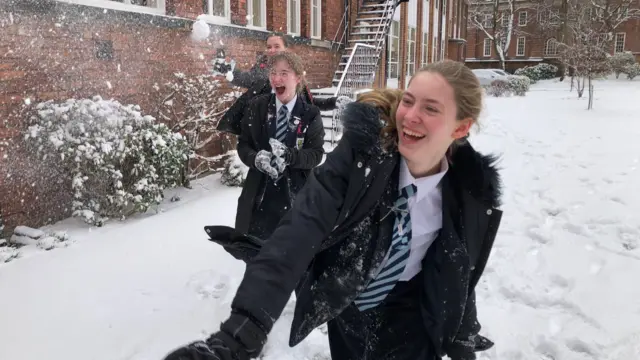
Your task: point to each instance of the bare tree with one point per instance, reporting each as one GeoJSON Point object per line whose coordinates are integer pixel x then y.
{"type": "Point", "coordinates": [496, 19]}
{"type": "Point", "coordinates": [585, 34]}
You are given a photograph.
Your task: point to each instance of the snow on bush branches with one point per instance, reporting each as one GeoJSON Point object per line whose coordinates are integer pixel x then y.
{"type": "Point", "coordinates": [118, 161]}
{"type": "Point", "coordinates": [193, 105]}
{"type": "Point", "coordinates": [538, 72]}
{"type": "Point", "coordinates": [510, 85]}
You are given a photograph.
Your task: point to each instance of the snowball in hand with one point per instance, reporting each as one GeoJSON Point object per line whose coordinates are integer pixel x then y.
{"type": "Point", "coordinates": [200, 30]}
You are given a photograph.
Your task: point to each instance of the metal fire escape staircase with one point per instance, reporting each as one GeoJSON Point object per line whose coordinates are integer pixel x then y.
{"type": "Point", "coordinates": [359, 63]}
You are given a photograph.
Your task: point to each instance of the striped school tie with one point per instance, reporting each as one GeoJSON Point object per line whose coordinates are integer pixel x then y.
{"type": "Point", "coordinates": [282, 125]}
{"type": "Point", "coordinates": [378, 289]}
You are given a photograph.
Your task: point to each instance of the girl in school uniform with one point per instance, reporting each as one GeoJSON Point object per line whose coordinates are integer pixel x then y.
{"type": "Point", "coordinates": [388, 239]}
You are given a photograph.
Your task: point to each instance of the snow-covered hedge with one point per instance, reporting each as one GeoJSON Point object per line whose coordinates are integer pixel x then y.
{"type": "Point", "coordinates": [511, 85]}
{"type": "Point", "coordinates": [632, 71]}
{"type": "Point", "coordinates": [118, 161]}
{"type": "Point", "coordinates": [620, 61]}
{"type": "Point", "coordinates": [518, 85]}
{"type": "Point", "coordinates": [538, 72]}
{"type": "Point", "coordinates": [235, 171]}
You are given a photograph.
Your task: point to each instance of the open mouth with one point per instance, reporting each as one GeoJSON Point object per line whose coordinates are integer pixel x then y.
{"type": "Point", "coordinates": [412, 135]}
{"type": "Point", "coordinates": [280, 89]}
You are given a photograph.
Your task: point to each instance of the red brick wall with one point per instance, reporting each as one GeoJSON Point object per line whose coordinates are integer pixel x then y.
{"type": "Point", "coordinates": [44, 56]}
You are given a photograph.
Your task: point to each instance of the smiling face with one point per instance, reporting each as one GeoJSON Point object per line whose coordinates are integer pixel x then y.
{"type": "Point", "coordinates": [284, 80]}
{"type": "Point", "coordinates": [275, 44]}
{"type": "Point", "coordinates": [427, 122]}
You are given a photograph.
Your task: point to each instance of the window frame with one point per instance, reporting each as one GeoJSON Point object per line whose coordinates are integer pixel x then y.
{"type": "Point", "coordinates": [524, 46]}
{"type": "Point", "coordinates": [526, 18]}
{"type": "Point", "coordinates": [390, 37]}
{"type": "Point", "coordinates": [615, 44]}
{"type": "Point", "coordinates": [289, 23]}
{"type": "Point", "coordinates": [208, 16]}
{"type": "Point", "coordinates": [551, 43]}
{"type": "Point", "coordinates": [484, 47]}
{"type": "Point", "coordinates": [263, 15]}
{"type": "Point", "coordinates": [160, 9]}
{"type": "Point", "coordinates": [313, 21]}
{"type": "Point", "coordinates": [411, 51]}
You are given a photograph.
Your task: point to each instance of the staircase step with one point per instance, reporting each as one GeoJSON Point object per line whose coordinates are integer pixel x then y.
{"type": "Point", "coordinates": [363, 40]}
{"type": "Point", "coordinates": [367, 26]}
{"type": "Point", "coordinates": [370, 19]}
{"type": "Point", "coordinates": [366, 33]}
{"type": "Point", "coordinates": [373, 5]}
{"type": "Point", "coordinates": [372, 12]}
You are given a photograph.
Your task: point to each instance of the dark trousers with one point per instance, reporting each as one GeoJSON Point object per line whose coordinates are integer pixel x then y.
{"type": "Point", "coordinates": [393, 330]}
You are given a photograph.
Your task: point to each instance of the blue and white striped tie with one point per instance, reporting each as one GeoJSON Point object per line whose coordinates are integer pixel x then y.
{"type": "Point", "coordinates": [282, 125]}
{"type": "Point", "coordinates": [378, 289]}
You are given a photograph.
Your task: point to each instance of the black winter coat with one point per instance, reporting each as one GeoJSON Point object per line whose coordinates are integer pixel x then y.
{"type": "Point", "coordinates": [255, 137]}
{"type": "Point", "coordinates": [256, 80]}
{"type": "Point", "coordinates": [329, 243]}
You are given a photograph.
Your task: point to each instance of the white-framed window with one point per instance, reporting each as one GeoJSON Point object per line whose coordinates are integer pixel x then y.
{"type": "Point", "coordinates": [217, 11]}
{"type": "Point", "coordinates": [551, 47]}
{"type": "Point", "coordinates": [143, 6]}
{"type": "Point", "coordinates": [393, 41]}
{"type": "Point", "coordinates": [316, 19]}
{"type": "Point", "coordinates": [520, 47]}
{"type": "Point", "coordinates": [442, 49]}
{"type": "Point", "coordinates": [620, 38]}
{"type": "Point", "coordinates": [522, 18]}
{"type": "Point", "coordinates": [488, 21]}
{"type": "Point", "coordinates": [425, 49]}
{"type": "Point", "coordinates": [487, 47]}
{"type": "Point", "coordinates": [411, 52]}
{"type": "Point", "coordinates": [505, 19]}
{"type": "Point", "coordinates": [434, 47]}
{"type": "Point", "coordinates": [293, 17]}
{"type": "Point", "coordinates": [257, 13]}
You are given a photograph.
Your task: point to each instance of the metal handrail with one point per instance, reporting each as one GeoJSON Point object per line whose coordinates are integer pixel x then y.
{"type": "Point", "coordinates": [346, 68]}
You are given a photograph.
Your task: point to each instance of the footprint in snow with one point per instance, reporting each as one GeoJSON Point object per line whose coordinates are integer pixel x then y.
{"type": "Point", "coordinates": [209, 284]}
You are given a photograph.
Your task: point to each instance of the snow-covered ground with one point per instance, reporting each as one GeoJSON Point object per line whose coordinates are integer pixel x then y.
{"type": "Point", "coordinates": [561, 283]}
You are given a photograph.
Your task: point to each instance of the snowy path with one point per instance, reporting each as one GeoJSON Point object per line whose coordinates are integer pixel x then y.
{"type": "Point", "coordinates": [561, 283]}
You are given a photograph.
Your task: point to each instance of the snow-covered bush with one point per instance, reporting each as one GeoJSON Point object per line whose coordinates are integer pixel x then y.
{"type": "Point", "coordinates": [538, 72]}
{"type": "Point", "coordinates": [498, 88]}
{"type": "Point", "coordinates": [192, 106]}
{"type": "Point", "coordinates": [235, 171]}
{"type": "Point", "coordinates": [8, 253]}
{"type": "Point", "coordinates": [117, 161]}
{"type": "Point", "coordinates": [632, 71]}
{"type": "Point", "coordinates": [518, 85]}
{"type": "Point", "coordinates": [620, 61]}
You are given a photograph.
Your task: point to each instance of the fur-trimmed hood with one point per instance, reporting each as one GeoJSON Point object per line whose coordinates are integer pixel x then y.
{"type": "Point", "coordinates": [476, 172]}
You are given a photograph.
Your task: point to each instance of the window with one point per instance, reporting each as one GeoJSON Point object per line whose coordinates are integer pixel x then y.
{"type": "Point", "coordinates": [442, 49]}
{"type": "Point", "coordinates": [146, 6]}
{"type": "Point", "coordinates": [293, 17]}
{"type": "Point", "coordinates": [488, 21]}
{"type": "Point", "coordinates": [257, 13]}
{"type": "Point", "coordinates": [316, 19]}
{"type": "Point", "coordinates": [522, 18]}
{"type": "Point", "coordinates": [425, 49]}
{"type": "Point", "coordinates": [487, 47]}
{"type": "Point", "coordinates": [520, 46]}
{"type": "Point", "coordinates": [217, 10]}
{"type": "Point", "coordinates": [620, 37]}
{"type": "Point", "coordinates": [505, 19]}
{"type": "Point", "coordinates": [434, 48]}
{"type": "Point", "coordinates": [551, 47]}
{"type": "Point", "coordinates": [394, 49]}
{"type": "Point", "coordinates": [411, 52]}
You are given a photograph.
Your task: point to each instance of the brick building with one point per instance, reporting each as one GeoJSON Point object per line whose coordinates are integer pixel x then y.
{"type": "Point", "coordinates": [58, 49]}
{"type": "Point", "coordinates": [529, 44]}
{"type": "Point", "coordinates": [423, 31]}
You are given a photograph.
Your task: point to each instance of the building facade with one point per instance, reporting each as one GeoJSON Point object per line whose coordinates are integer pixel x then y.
{"type": "Point", "coordinates": [529, 44]}
{"type": "Point", "coordinates": [423, 31]}
{"type": "Point", "coordinates": [124, 49]}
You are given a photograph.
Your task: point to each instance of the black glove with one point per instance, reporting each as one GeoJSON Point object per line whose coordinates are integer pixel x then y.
{"type": "Point", "coordinates": [221, 67]}
{"type": "Point", "coordinates": [246, 344]}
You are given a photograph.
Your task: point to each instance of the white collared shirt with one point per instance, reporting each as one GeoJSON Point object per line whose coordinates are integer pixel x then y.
{"type": "Point", "coordinates": [290, 105]}
{"type": "Point", "coordinates": [425, 209]}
